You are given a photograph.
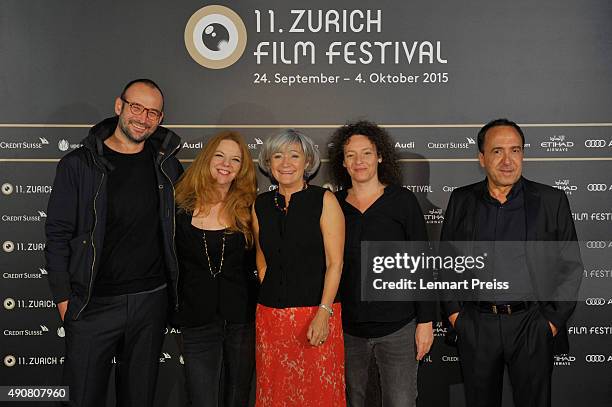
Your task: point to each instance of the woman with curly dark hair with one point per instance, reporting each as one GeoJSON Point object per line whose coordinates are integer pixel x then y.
{"type": "Point", "coordinates": [377, 208]}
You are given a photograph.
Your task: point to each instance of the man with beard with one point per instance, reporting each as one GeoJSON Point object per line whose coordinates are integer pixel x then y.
{"type": "Point", "coordinates": [110, 249]}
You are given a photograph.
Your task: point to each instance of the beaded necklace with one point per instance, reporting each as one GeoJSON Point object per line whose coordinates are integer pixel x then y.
{"type": "Point", "coordinates": [214, 272]}
{"type": "Point", "coordinates": [277, 205]}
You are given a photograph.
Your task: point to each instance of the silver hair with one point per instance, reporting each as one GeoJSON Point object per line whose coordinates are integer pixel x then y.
{"type": "Point", "coordinates": [277, 142]}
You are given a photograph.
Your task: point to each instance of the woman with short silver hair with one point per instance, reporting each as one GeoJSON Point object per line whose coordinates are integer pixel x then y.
{"type": "Point", "coordinates": [299, 235]}
{"type": "Point", "coordinates": [276, 143]}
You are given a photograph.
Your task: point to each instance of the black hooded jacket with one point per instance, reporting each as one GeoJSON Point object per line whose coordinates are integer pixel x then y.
{"type": "Point", "coordinates": [76, 214]}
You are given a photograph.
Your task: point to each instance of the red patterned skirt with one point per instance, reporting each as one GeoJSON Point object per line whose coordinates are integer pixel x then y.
{"type": "Point", "coordinates": [290, 371]}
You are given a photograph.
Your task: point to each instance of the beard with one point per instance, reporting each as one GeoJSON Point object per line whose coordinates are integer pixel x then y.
{"type": "Point", "coordinates": [135, 138]}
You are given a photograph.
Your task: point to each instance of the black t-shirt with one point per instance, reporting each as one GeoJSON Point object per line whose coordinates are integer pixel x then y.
{"type": "Point", "coordinates": [292, 245]}
{"type": "Point", "coordinates": [231, 294]}
{"type": "Point", "coordinates": [132, 252]}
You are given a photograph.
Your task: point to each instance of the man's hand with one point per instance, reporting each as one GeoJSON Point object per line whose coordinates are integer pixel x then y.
{"type": "Point", "coordinates": [553, 328]}
{"type": "Point", "coordinates": [452, 318]}
{"type": "Point", "coordinates": [423, 338]}
{"type": "Point", "coordinates": [62, 307]}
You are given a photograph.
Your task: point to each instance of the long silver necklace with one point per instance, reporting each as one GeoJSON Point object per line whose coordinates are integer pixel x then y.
{"type": "Point", "coordinates": [214, 272]}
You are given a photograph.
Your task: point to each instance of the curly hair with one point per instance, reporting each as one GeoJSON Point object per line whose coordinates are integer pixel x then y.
{"type": "Point", "coordinates": [388, 170]}
{"type": "Point", "coordinates": [195, 190]}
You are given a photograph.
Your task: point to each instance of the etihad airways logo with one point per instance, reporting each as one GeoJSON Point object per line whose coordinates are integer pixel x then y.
{"type": "Point", "coordinates": [565, 186]}
{"type": "Point", "coordinates": [557, 143]}
{"type": "Point", "coordinates": [434, 216]}
{"type": "Point", "coordinates": [564, 360]}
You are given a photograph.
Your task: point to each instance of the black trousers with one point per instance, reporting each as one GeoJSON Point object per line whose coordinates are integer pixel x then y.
{"type": "Point", "coordinates": [209, 350]}
{"type": "Point", "coordinates": [489, 342]}
{"type": "Point", "coordinates": [130, 327]}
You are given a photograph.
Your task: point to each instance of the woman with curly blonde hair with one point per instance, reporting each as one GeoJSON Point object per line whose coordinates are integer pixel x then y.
{"type": "Point", "coordinates": [217, 287]}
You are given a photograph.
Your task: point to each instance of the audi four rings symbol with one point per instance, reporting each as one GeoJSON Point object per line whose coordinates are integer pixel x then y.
{"type": "Point", "coordinates": [597, 187]}
{"type": "Point", "coordinates": [595, 301]}
{"type": "Point", "coordinates": [595, 358]}
{"type": "Point", "coordinates": [596, 244]}
{"type": "Point", "coordinates": [595, 143]}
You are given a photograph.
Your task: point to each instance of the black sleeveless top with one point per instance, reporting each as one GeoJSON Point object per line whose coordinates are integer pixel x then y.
{"type": "Point", "coordinates": [230, 295]}
{"type": "Point", "coordinates": [292, 244]}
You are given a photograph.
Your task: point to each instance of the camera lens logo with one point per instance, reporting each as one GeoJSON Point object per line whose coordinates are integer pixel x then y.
{"type": "Point", "coordinates": [7, 189]}
{"type": "Point", "coordinates": [9, 361]}
{"type": "Point", "coordinates": [8, 246]}
{"type": "Point", "coordinates": [215, 37]}
{"type": "Point", "coordinates": [9, 304]}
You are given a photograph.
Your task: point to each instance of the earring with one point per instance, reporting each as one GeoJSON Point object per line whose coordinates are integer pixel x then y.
{"type": "Point", "coordinates": [380, 160]}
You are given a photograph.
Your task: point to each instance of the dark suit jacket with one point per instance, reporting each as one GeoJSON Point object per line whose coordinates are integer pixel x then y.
{"type": "Point", "coordinates": [548, 218]}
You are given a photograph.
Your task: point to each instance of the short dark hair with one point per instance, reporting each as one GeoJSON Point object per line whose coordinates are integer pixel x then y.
{"type": "Point", "coordinates": [145, 81]}
{"type": "Point", "coordinates": [388, 170]}
{"type": "Point", "coordinates": [496, 123]}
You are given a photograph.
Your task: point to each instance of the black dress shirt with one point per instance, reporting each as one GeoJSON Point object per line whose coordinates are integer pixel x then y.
{"type": "Point", "coordinates": [497, 222]}
{"type": "Point", "coordinates": [394, 216]}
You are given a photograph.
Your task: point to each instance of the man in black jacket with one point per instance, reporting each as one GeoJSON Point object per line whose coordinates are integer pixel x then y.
{"type": "Point", "coordinates": [110, 249]}
{"type": "Point", "coordinates": [540, 256]}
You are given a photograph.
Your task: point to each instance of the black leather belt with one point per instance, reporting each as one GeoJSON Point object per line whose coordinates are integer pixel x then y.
{"type": "Point", "coordinates": [507, 309]}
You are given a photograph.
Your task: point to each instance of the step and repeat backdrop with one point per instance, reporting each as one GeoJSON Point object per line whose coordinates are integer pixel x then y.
{"type": "Point", "coordinates": [432, 72]}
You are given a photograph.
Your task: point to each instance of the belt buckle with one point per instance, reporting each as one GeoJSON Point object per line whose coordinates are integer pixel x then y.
{"type": "Point", "coordinates": [507, 307]}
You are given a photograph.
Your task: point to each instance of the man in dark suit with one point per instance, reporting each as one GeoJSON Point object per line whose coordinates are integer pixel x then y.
{"type": "Point", "coordinates": [525, 331]}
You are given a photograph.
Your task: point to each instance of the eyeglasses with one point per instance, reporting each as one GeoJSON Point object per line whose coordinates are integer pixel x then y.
{"type": "Point", "coordinates": [137, 108]}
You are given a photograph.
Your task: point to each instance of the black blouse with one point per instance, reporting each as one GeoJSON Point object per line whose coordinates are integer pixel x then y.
{"type": "Point", "coordinates": [292, 245]}
{"type": "Point", "coordinates": [395, 216]}
{"type": "Point", "coordinates": [231, 294]}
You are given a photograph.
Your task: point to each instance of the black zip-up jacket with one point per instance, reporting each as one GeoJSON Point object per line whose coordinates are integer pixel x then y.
{"type": "Point", "coordinates": [76, 214]}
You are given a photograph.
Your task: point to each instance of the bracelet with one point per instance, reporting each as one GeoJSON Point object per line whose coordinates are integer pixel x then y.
{"type": "Point", "coordinates": [327, 308]}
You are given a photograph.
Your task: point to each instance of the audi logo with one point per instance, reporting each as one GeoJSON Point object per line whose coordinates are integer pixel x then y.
{"type": "Point", "coordinates": [595, 301]}
{"type": "Point", "coordinates": [595, 358]}
{"type": "Point", "coordinates": [597, 187]}
{"type": "Point", "coordinates": [596, 244]}
{"type": "Point", "coordinates": [595, 143]}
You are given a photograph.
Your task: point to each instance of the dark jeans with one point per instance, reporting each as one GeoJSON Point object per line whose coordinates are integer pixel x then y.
{"type": "Point", "coordinates": [209, 348]}
{"type": "Point", "coordinates": [130, 327]}
{"type": "Point", "coordinates": [488, 342]}
{"type": "Point", "coordinates": [395, 356]}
